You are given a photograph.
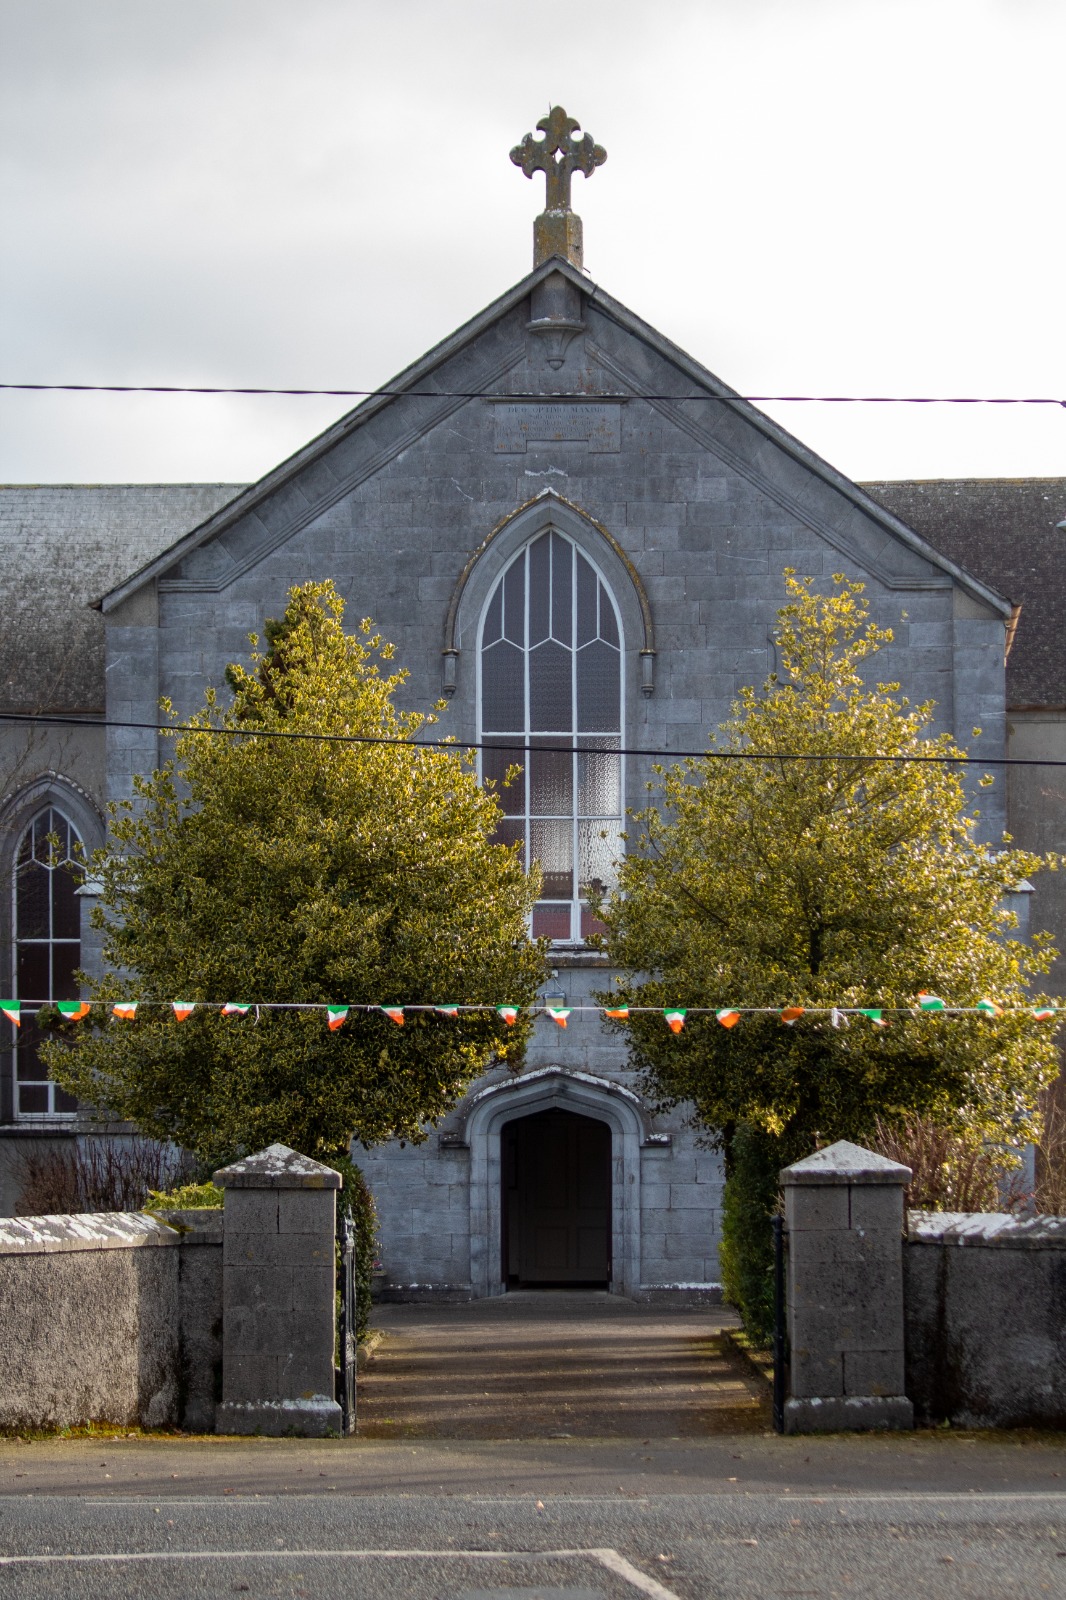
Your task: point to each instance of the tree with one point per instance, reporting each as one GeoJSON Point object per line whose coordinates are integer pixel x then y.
{"type": "Point", "coordinates": [290, 869]}
{"type": "Point", "coordinates": [852, 879]}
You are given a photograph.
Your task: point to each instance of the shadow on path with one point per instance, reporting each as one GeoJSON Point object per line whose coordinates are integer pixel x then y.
{"type": "Point", "coordinates": [555, 1364]}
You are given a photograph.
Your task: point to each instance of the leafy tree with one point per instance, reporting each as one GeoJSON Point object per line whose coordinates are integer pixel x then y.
{"type": "Point", "coordinates": [292, 869]}
{"type": "Point", "coordinates": [839, 881]}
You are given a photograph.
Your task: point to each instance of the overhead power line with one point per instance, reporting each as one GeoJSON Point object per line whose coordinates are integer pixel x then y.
{"type": "Point", "coordinates": [521, 747]}
{"type": "Point", "coordinates": [483, 394]}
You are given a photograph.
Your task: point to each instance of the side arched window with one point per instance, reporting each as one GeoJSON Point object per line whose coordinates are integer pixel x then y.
{"type": "Point", "coordinates": [47, 949]}
{"type": "Point", "coordinates": [551, 685]}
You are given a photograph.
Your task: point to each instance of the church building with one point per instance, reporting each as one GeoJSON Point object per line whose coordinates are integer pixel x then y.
{"type": "Point", "coordinates": [573, 532]}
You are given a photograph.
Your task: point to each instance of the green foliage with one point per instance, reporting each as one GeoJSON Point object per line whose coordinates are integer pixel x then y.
{"type": "Point", "coordinates": [746, 1251]}
{"type": "Point", "coordinates": [835, 882]}
{"type": "Point", "coordinates": [356, 1200]}
{"type": "Point", "coordinates": [288, 869]}
{"type": "Point", "coordinates": [186, 1197]}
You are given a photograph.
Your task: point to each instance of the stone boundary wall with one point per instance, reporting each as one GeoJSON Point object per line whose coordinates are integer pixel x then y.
{"type": "Point", "coordinates": [985, 1319]}
{"type": "Point", "coordinates": [111, 1317]}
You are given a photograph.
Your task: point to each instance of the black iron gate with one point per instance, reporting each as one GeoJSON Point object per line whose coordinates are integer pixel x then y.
{"type": "Point", "coordinates": [346, 1322]}
{"type": "Point", "coordinates": [780, 1324]}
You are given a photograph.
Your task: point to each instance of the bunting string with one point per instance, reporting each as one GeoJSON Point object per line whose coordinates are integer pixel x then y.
{"type": "Point", "coordinates": [675, 1017]}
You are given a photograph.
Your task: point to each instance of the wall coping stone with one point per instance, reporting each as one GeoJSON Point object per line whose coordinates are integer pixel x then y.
{"type": "Point", "coordinates": [95, 1230]}
{"type": "Point", "coordinates": [986, 1229]}
{"type": "Point", "coordinates": [278, 1167]}
{"type": "Point", "coordinates": [845, 1163]}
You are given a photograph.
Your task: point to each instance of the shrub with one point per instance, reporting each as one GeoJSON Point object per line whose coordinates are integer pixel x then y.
{"type": "Point", "coordinates": [356, 1201]}
{"type": "Point", "coordinates": [186, 1197]}
{"type": "Point", "coordinates": [952, 1169]}
{"type": "Point", "coordinates": [746, 1252]}
{"type": "Point", "coordinates": [98, 1176]}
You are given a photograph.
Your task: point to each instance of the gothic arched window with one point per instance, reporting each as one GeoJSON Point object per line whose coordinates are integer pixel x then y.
{"type": "Point", "coordinates": [47, 949]}
{"type": "Point", "coordinates": [551, 683]}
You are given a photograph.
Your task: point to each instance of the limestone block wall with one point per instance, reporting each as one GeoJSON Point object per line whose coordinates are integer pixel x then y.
{"type": "Point", "coordinates": [110, 1318]}
{"type": "Point", "coordinates": [985, 1319]}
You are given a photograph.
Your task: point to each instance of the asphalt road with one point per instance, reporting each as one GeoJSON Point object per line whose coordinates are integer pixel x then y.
{"type": "Point", "coordinates": [726, 1518]}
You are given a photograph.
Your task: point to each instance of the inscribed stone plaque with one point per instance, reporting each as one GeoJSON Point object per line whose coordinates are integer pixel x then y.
{"type": "Point", "coordinates": [593, 422]}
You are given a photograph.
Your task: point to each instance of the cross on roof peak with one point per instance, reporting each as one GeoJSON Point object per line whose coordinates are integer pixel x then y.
{"type": "Point", "coordinates": [558, 155]}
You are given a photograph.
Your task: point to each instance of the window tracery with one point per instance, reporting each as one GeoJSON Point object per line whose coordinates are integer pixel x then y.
{"type": "Point", "coordinates": [47, 949]}
{"type": "Point", "coordinates": [551, 682]}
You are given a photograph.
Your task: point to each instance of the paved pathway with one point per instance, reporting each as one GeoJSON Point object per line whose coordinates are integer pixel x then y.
{"type": "Point", "coordinates": [548, 1365]}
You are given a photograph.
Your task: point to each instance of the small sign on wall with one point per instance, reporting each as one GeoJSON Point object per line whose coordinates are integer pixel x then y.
{"type": "Point", "coordinates": [522, 422]}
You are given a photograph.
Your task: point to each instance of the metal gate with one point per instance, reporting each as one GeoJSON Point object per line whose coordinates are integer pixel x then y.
{"type": "Point", "coordinates": [780, 1324]}
{"type": "Point", "coordinates": [346, 1322]}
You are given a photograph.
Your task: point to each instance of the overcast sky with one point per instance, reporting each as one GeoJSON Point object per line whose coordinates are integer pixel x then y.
{"type": "Point", "coordinates": [810, 196]}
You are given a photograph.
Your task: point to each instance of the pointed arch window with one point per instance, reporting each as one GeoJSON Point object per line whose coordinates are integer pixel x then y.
{"type": "Point", "coordinates": [551, 682]}
{"type": "Point", "coordinates": [47, 949]}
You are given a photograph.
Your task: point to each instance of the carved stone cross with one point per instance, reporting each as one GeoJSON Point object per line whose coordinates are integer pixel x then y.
{"type": "Point", "coordinates": [558, 155]}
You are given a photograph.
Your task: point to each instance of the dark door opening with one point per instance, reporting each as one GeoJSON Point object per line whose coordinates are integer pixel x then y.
{"type": "Point", "coordinates": [556, 1201]}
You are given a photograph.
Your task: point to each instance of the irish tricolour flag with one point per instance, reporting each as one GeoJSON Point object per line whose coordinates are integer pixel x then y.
{"type": "Point", "coordinates": [675, 1020]}
{"type": "Point", "coordinates": [12, 1010]}
{"type": "Point", "coordinates": [126, 1010]}
{"type": "Point", "coordinates": [74, 1010]}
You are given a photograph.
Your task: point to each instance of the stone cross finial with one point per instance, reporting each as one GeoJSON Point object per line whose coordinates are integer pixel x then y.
{"type": "Point", "coordinates": [557, 232]}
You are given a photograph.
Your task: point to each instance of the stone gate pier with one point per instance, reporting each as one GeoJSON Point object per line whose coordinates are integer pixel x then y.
{"type": "Point", "coordinates": [844, 1216]}
{"type": "Point", "coordinates": [278, 1295]}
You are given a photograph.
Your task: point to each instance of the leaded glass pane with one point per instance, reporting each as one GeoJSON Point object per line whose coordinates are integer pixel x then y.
{"type": "Point", "coordinates": [495, 765]}
{"type": "Point", "coordinates": [510, 832]}
{"type": "Point", "coordinates": [29, 1066]}
{"type": "Point", "coordinates": [551, 921]}
{"type": "Point", "coordinates": [66, 907]}
{"type": "Point", "coordinates": [552, 844]}
{"type": "Point", "coordinates": [503, 688]}
{"type": "Point", "coordinates": [598, 688]}
{"type": "Point", "coordinates": [66, 958]}
{"type": "Point", "coordinates": [514, 609]}
{"type": "Point", "coordinates": [608, 624]}
{"type": "Point", "coordinates": [598, 776]}
{"type": "Point", "coordinates": [598, 849]}
{"type": "Point", "coordinates": [587, 585]}
{"type": "Point", "coordinates": [562, 590]}
{"type": "Point", "coordinates": [33, 885]}
{"type": "Point", "coordinates": [34, 972]}
{"type": "Point", "coordinates": [540, 590]}
{"type": "Point", "coordinates": [551, 688]}
{"type": "Point", "coordinates": [551, 782]}
{"type": "Point", "coordinates": [493, 629]}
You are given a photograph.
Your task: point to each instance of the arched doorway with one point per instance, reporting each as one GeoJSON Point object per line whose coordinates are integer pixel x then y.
{"type": "Point", "coordinates": [556, 1201]}
{"type": "Point", "coordinates": [513, 1099]}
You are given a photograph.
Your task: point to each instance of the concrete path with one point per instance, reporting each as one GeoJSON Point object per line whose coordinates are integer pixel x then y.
{"type": "Point", "coordinates": [534, 1365]}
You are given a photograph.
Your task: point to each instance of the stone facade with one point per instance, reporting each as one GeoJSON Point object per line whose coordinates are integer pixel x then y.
{"type": "Point", "coordinates": [689, 503]}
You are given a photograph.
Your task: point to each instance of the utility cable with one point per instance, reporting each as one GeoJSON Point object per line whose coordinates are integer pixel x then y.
{"type": "Point", "coordinates": [482, 394]}
{"type": "Point", "coordinates": [526, 747]}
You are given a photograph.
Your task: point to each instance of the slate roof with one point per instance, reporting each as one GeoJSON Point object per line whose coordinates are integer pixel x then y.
{"type": "Point", "coordinates": [61, 545]}
{"type": "Point", "coordinates": [1003, 531]}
